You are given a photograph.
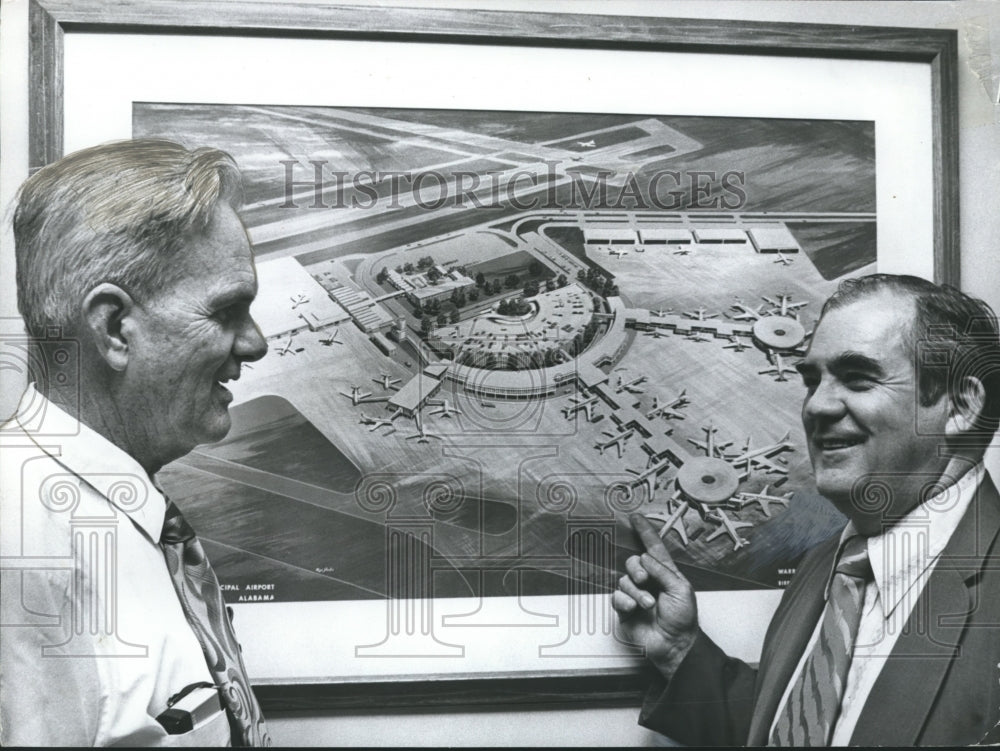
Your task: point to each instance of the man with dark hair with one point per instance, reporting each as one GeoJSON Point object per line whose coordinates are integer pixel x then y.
{"type": "Point", "coordinates": [889, 632]}
{"type": "Point", "coordinates": [134, 278]}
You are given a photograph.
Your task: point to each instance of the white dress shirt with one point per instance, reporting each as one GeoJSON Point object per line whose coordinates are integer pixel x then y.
{"type": "Point", "coordinates": [93, 640]}
{"type": "Point", "coordinates": [902, 558]}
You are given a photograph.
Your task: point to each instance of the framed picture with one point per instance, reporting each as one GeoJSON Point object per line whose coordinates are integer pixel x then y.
{"type": "Point", "coordinates": [522, 275]}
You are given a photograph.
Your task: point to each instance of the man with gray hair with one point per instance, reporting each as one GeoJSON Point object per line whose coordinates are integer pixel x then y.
{"type": "Point", "coordinates": [134, 278]}
{"type": "Point", "coordinates": [889, 632]}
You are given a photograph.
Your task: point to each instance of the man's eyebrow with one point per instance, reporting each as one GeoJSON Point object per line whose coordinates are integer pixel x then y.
{"type": "Point", "coordinates": [856, 361]}
{"type": "Point", "coordinates": [244, 293]}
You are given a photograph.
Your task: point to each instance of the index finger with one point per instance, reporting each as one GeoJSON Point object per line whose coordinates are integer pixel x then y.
{"type": "Point", "coordinates": [651, 540]}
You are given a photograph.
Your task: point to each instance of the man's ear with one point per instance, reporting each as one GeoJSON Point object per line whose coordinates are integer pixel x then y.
{"type": "Point", "coordinates": [966, 406]}
{"type": "Point", "coordinates": [105, 308]}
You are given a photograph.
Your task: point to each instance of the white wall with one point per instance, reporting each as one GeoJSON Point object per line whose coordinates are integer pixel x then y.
{"type": "Point", "coordinates": [978, 24]}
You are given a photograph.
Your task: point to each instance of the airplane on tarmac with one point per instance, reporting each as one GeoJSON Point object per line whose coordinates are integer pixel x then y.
{"type": "Point", "coordinates": [669, 409]}
{"type": "Point", "coordinates": [357, 396]}
{"type": "Point", "coordinates": [672, 517]}
{"type": "Point", "coordinates": [783, 259]}
{"type": "Point", "coordinates": [630, 386]}
{"type": "Point", "coordinates": [614, 439]}
{"type": "Point", "coordinates": [375, 422]}
{"type": "Point", "coordinates": [778, 369]}
{"type": "Point", "coordinates": [422, 435]}
{"type": "Point", "coordinates": [746, 313]}
{"type": "Point", "coordinates": [387, 382]}
{"type": "Point", "coordinates": [661, 312]}
{"type": "Point", "coordinates": [727, 527]}
{"type": "Point", "coordinates": [298, 300]}
{"type": "Point", "coordinates": [617, 252]}
{"type": "Point", "coordinates": [655, 333]}
{"type": "Point", "coordinates": [763, 499]}
{"type": "Point", "coordinates": [681, 251]}
{"type": "Point", "coordinates": [761, 457]}
{"type": "Point", "coordinates": [587, 405]}
{"type": "Point", "coordinates": [446, 410]}
{"type": "Point", "coordinates": [649, 477]}
{"type": "Point", "coordinates": [736, 343]}
{"type": "Point", "coordinates": [287, 348]}
{"type": "Point", "coordinates": [695, 336]}
{"type": "Point", "coordinates": [784, 306]}
{"type": "Point", "coordinates": [591, 144]}
{"type": "Point", "coordinates": [700, 314]}
{"type": "Point", "coordinates": [331, 339]}
{"type": "Point", "coordinates": [709, 445]}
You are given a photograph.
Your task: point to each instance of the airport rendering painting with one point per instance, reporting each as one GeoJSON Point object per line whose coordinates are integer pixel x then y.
{"type": "Point", "coordinates": [493, 336]}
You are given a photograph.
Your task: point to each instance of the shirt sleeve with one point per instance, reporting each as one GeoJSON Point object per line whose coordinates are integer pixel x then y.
{"type": "Point", "coordinates": [50, 692]}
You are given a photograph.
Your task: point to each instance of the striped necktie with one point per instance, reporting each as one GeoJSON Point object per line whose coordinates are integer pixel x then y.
{"type": "Point", "coordinates": [201, 599]}
{"type": "Point", "coordinates": [813, 705]}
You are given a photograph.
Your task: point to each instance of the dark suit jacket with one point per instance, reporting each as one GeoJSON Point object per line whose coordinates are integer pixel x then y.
{"type": "Point", "coordinates": [940, 685]}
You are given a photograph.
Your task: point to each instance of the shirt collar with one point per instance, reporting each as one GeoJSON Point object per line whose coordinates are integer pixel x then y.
{"type": "Point", "coordinates": [94, 459]}
{"type": "Point", "coordinates": [906, 550]}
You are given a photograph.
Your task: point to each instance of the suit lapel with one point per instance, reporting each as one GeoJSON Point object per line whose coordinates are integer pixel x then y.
{"type": "Point", "coordinates": [925, 648]}
{"type": "Point", "coordinates": [791, 628]}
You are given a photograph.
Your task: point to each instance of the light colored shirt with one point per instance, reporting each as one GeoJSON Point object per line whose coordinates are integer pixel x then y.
{"type": "Point", "coordinates": [902, 559]}
{"type": "Point", "coordinates": [93, 641]}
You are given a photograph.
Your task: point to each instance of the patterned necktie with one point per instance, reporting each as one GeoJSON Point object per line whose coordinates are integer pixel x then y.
{"type": "Point", "coordinates": [813, 705]}
{"type": "Point", "coordinates": [201, 599]}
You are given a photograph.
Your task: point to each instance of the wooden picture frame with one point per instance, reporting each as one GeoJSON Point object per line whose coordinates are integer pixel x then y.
{"type": "Point", "coordinates": [936, 50]}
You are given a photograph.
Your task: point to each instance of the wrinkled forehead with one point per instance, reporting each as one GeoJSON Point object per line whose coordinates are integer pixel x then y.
{"type": "Point", "coordinates": [878, 324]}
{"type": "Point", "coordinates": [217, 256]}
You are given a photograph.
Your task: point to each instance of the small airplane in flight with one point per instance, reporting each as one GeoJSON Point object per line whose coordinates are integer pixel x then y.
{"type": "Point", "coordinates": [700, 314]}
{"type": "Point", "coordinates": [630, 386]}
{"type": "Point", "coordinates": [298, 300]}
{"type": "Point", "coordinates": [736, 343]}
{"type": "Point", "coordinates": [762, 457]}
{"type": "Point", "coordinates": [783, 259]}
{"type": "Point", "coordinates": [387, 382]}
{"type": "Point", "coordinates": [784, 306]}
{"type": "Point", "coordinates": [614, 439]}
{"type": "Point", "coordinates": [591, 144]}
{"type": "Point", "coordinates": [669, 409]}
{"type": "Point", "coordinates": [326, 341]}
{"type": "Point", "coordinates": [778, 368]}
{"type": "Point", "coordinates": [764, 499]}
{"type": "Point", "coordinates": [709, 445]}
{"type": "Point", "coordinates": [445, 409]}
{"type": "Point", "coordinates": [357, 396]}
{"type": "Point", "coordinates": [287, 348]}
